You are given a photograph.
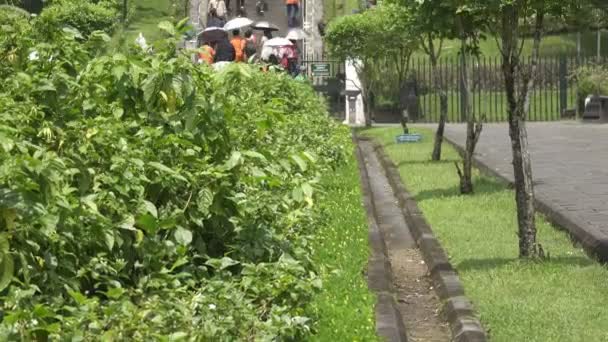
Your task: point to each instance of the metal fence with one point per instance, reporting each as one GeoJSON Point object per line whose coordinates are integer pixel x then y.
{"type": "Point", "coordinates": [327, 79]}
{"type": "Point", "coordinates": [553, 95]}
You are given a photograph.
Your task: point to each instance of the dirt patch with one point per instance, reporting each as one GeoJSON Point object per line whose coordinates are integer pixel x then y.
{"type": "Point", "coordinates": [418, 305]}
{"type": "Point", "coordinates": [416, 298]}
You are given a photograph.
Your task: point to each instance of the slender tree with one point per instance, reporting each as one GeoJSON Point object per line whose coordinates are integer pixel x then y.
{"type": "Point", "coordinates": [375, 39]}
{"type": "Point", "coordinates": [434, 22]}
{"type": "Point", "coordinates": [354, 37]}
{"type": "Point", "coordinates": [511, 21]}
{"type": "Point", "coordinates": [469, 25]}
{"type": "Point", "coordinates": [398, 27]}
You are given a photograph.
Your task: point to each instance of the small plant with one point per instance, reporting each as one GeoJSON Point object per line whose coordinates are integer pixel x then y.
{"type": "Point", "coordinates": [591, 80]}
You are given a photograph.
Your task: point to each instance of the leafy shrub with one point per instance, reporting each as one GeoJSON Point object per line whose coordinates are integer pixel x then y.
{"type": "Point", "coordinates": [143, 197]}
{"type": "Point", "coordinates": [592, 80]}
{"type": "Point", "coordinates": [84, 16]}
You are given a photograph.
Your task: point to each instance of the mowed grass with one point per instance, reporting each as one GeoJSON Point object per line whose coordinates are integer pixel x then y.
{"type": "Point", "coordinates": [544, 105]}
{"type": "Point", "coordinates": [148, 14]}
{"type": "Point", "coordinates": [345, 307]}
{"type": "Point", "coordinates": [551, 45]}
{"type": "Point", "coordinates": [564, 298]}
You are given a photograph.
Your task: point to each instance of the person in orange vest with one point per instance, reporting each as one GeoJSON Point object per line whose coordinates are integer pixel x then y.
{"type": "Point", "coordinates": [207, 54]}
{"type": "Point", "coordinates": [293, 6]}
{"type": "Point", "coordinates": [239, 46]}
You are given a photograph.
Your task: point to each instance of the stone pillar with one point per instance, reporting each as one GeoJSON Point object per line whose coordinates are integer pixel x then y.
{"type": "Point", "coordinates": [355, 115]}
{"type": "Point", "coordinates": [198, 20]}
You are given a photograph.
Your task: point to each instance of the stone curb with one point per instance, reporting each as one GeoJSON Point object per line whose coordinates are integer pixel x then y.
{"type": "Point", "coordinates": [464, 324]}
{"type": "Point", "coordinates": [379, 276]}
{"type": "Point", "coordinates": [594, 245]}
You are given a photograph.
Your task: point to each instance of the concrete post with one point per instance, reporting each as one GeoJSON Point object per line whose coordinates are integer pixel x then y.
{"type": "Point", "coordinates": [355, 115]}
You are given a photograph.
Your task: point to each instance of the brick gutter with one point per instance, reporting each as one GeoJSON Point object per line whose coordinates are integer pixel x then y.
{"type": "Point", "coordinates": [379, 276]}
{"type": "Point", "coordinates": [463, 321]}
{"type": "Point", "coordinates": [593, 244]}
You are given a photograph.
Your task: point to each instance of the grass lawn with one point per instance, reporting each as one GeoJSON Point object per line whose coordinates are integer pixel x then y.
{"type": "Point", "coordinates": [553, 45]}
{"type": "Point", "coordinates": [345, 307]}
{"type": "Point", "coordinates": [564, 298]}
{"type": "Point", "coordinates": [148, 13]}
{"type": "Point", "coordinates": [544, 105]}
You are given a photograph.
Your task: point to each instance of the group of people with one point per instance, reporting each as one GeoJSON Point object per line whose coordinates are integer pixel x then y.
{"type": "Point", "coordinates": [218, 11]}
{"type": "Point", "coordinates": [237, 49]}
{"type": "Point", "coordinates": [241, 48]}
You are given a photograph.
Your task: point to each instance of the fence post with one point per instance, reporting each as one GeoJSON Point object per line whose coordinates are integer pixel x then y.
{"type": "Point", "coordinates": [463, 90]}
{"type": "Point", "coordinates": [563, 84]}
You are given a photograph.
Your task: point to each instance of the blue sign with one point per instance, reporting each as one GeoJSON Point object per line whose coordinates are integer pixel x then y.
{"type": "Point", "coordinates": [407, 138]}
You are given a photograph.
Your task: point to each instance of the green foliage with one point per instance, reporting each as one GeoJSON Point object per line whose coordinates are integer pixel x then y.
{"type": "Point", "coordinates": [345, 307]}
{"type": "Point", "coordinates": [147, 198]}
{"type": "Point", "coordinates": [84, 16]}
{"type": "Point", "coordinates": [591, 80]}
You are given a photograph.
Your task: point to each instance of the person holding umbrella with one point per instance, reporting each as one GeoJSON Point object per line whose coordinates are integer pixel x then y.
{"type": "Point", "coordinates": [207, 54]}
{"type": "Point", "coordinates": [224, 51]}
{"type": "Point", "coordinates": [239, 45]}
{"type": "Point", "coordinates": [250, 44]}
{"type": "Point", "coordinates": [267, 29]}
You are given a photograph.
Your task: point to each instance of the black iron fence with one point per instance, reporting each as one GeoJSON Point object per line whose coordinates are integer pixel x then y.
{"type": "Point", "coordinates": [327, 77]}
{"type": "Point", "coordinates": [553, 96]}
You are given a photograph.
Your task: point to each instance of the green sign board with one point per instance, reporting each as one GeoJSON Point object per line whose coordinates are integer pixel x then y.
{"type": "Point", "coordinates": [320, 69]}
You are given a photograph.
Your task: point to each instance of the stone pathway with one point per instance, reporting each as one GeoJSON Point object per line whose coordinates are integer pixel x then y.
{"type": "Point", "coordinates": [570, 168]}
{"type": "Point", "coordinates": [416, 299]}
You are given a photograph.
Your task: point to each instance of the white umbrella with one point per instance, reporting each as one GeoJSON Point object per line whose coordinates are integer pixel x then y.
{"type": "Point", "coordinates": [296, 34]}
{"type": "Point", "coordinates": [265, 26]}
{"type": "Point", "coordinates": [237, 23]}
{"type": "Point", "coordinates": [278, 42]}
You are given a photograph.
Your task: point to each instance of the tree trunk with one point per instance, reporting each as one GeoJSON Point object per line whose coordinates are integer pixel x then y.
{"type": "Point", "coordinates": [473, 129]}
{"type": "Point", "coordinates": [518, 105]}
{"type": "Point", "coordinates": [367, 113]}
{"type": "Point", "coordinates": [443, 107]}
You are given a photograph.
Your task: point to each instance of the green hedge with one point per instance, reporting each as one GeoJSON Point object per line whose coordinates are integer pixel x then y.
{"type": "Point", "coordinates": [147, 198]}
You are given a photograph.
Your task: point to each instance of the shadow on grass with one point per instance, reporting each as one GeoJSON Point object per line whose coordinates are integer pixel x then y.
{"type": "Point", "coordinates": [481, 185]}
{"type": "Point", "coordinates": [429, 162]}
{"type": "Point", "coordinates": [492, 263]}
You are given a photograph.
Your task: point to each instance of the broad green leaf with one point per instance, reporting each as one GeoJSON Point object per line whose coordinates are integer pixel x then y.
{"type": "Point", "coordinates": [254, 154]}
{"type": "Point", "coordinates": [78, 297]}
{"type": "Point", "coordinates": [182, 236]}
{"type": "Point", "coordinates": [235, 159]}
{"type": "Point", "coordinates": [167, 27]}
{"type": "Point", "coordinates": [151, 208]}
{"type": "Point", "coordinates": [307, 190]}
{"type": "Point", "coordinates": [4, 245]}
{"type": "Point", "coordinates": [109, 238]}
{"type": "Point", "coordinates": [148, 223]}
{"type": "Point", "coordinates": [178, 336]}
{"type": "Point", "coordinates": [179, 262]}
{"type": "Point", "coordinates": [301, 163]}
{"type": "Point", "coordinates": [128, 223]}
{"type": "Point", "coordinates": [6, 143]}
{"type": "Point", "coordinates": [6, 270]}
{"type": "Point", "coordinates": [165, 169]}
{"type": "Point", "coordinates": [310, 156]}
{"type": "Point", "coordinates": [118, 113]}
{"type": "Point", "coordinates": [115, 292]}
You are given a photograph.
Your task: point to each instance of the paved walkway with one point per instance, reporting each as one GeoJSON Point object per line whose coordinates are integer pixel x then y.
{"type": "Point", "coordinates": [570, 168]}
